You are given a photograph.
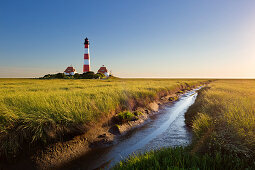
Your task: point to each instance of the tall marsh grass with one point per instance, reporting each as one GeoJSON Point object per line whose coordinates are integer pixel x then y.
{"type": "Point", "coordinates": [230, 105]}
{"type": "Point", "coordinates": [223, 122]}
{"type": "Point", "coordinates": [227, 124]}
{"type": "Point", "coordinates": [36, 111]}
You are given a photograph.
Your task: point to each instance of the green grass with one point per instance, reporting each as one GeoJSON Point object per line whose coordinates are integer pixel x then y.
{"type": "Point", "coordinates": [226, 119]}
{"type": "Point", "coordinates": [126, 116]}
{"type": "Point", "coordinates": [223, 122]}
{"type": "Point", "coordinates": [180, 158]}
{"type": "Point", "coordinates": [34, 111]}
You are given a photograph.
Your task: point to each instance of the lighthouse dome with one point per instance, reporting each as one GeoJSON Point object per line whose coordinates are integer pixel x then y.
{"type": "Point", "coordinates": [86, 41]}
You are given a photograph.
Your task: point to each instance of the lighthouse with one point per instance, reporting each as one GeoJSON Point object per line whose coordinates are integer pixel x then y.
{"type": "Point", "coordinates": [86, 65]}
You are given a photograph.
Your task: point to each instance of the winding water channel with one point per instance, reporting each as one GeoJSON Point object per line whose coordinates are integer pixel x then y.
{"type": "Point", "coordinates": [164, 129]}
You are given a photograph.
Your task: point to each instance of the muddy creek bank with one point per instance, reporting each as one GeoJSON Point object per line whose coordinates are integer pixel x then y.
{"type": "Point", "coordinates": [165, 128]}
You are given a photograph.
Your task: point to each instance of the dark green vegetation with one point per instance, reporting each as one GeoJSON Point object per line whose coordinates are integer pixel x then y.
{"type": "Point", "coordinates": [223, 122]}
{"type": "Point", "coordinates": [181, 158]}
{"type": "Point", "coordinates": [87, 75]}
{"type": "Point", "coordinates": [36, 112]}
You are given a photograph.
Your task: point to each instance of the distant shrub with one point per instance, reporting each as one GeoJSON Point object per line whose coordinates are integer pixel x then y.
{"type": "Point", "coordinates": [76, 76]}
{"type": "Point", "coordinates": [54, 76]}
{"type": "Point", "coordinates": [47, 76]}
{"type": "Point", "coordinates": [100, 75]}
{"type": "Point", "coordinates": [60, 75]}
{"type": "Point", "coordinates": [88, 75]}
{"type": "Point", "coordinates": [96, 76]}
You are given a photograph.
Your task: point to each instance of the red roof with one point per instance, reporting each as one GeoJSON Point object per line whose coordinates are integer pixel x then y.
{"type": "Point", "coordinates": [69, 70]}
{"type": "Point", "coordinates": [102, 70]}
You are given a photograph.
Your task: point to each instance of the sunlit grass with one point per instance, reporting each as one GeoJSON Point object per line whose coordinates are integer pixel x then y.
{"type": "Point", "coordinates": [223, 122]}
{"type": "Point", "coordinates": [39, 111]}
{"type": "Point", "coordinates": [230, 107]}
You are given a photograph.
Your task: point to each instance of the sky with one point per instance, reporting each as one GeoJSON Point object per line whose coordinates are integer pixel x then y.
{"type": "Point", "coordinates": [132, 38]}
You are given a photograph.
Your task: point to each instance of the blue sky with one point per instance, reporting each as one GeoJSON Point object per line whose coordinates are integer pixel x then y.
{"type": "Point", "coordinates": [134, 38]}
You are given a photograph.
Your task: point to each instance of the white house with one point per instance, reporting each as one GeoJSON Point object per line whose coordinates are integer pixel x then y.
{"type": "Point", "coordinates": [70, 71]}
{"type": "Point", "coordinates": [104, 71]}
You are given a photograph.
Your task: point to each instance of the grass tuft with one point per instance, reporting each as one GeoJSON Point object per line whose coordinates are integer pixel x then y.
{"type": "Point", "coordinates": [126, 116]}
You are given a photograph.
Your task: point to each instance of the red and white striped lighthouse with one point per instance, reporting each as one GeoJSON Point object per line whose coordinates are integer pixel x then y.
{"type": "Point", "coordinates": [86, 65]}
